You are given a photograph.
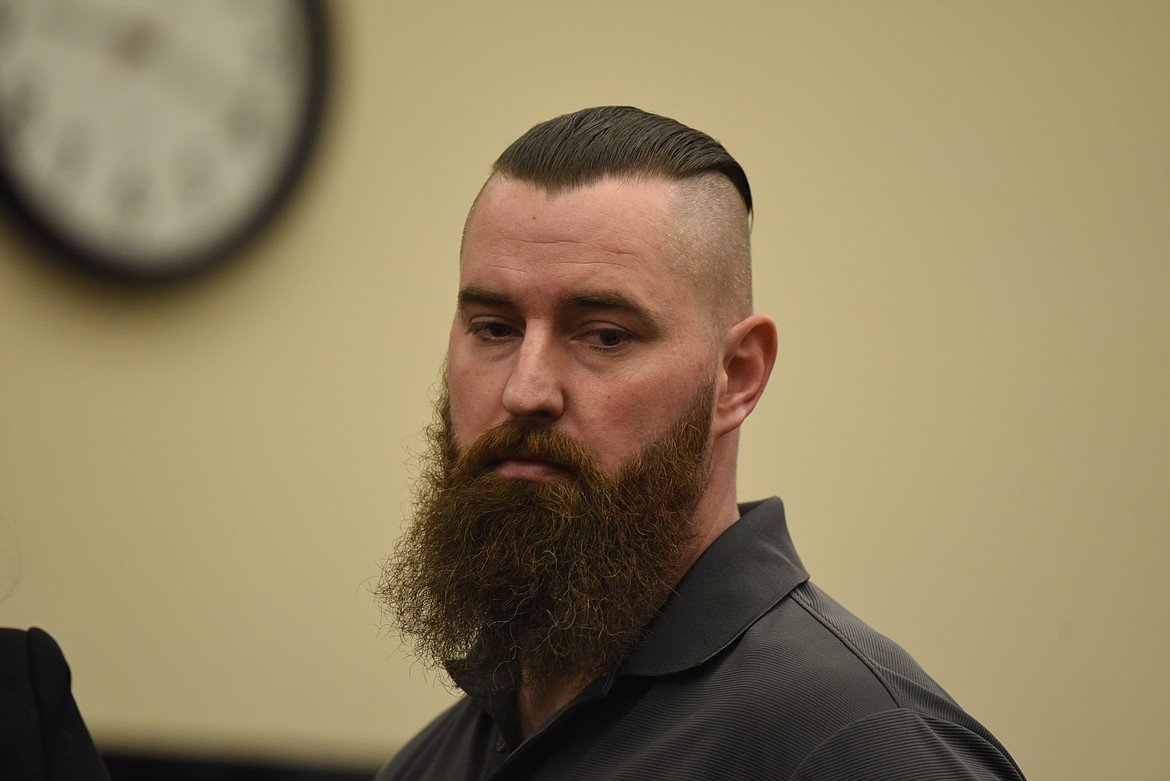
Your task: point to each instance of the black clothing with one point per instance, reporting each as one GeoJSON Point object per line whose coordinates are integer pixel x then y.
{"type": "Point", "coordinates": [749, 672]}
{"type": "Point", "coordinates": [42, 736]}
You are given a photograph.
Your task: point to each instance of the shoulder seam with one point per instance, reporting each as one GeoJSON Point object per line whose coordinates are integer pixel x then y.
{"type": "Point", "coordinates": [799, 596]}
{"type": "Point", "coordinates": [928, 721]}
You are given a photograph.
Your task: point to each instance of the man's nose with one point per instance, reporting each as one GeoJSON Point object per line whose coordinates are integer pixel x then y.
{"type": "Point", "coordinates": [534, 388]}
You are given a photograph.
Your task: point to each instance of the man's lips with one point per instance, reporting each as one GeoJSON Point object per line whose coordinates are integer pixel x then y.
{"type": "Point", "coordinates": [522, 466]}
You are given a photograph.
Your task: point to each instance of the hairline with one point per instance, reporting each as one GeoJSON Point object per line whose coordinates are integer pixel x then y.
{"type": "Point", "coordinates": [719, 275]}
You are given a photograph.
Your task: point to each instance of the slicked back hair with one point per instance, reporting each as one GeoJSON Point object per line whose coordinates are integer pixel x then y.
{"type": "Point", "coordinates": [712, 215]}
{"type": "Point", "coordinates": [577, 149]}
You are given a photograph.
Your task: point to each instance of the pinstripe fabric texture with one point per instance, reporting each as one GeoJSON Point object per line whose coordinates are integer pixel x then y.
{"type": "Point", "coordinates": [749, 672]}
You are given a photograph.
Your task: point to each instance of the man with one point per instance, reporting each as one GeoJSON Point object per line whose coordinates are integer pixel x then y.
{"type": "Point", "coordinates": [577, 559]}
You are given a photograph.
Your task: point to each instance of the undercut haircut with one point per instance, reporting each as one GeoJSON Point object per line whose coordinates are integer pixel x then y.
{"type": "Point", "coordinates": [577, 149]}
{"type": "Point", "coordinates": [712, 215]}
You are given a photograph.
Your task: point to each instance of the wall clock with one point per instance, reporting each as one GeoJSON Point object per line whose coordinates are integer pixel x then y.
{"type": "Point", "coordinates": [150, 138]}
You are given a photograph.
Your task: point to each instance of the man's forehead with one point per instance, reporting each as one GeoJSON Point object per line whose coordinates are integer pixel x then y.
{"type": "Point", "coordinates": [610, 230]}
{"type": "Point", "coordinates": [615, 237]}
{"type": "Point", "coordinates": [638, 208]}
{"type": "Point", "coordinates": [567, 282]}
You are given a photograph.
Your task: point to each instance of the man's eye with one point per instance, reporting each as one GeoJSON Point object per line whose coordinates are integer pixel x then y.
{"type": "Point", "coordinates": [608, 338]}
{"type": "Point", "coordinates": [491, 331]}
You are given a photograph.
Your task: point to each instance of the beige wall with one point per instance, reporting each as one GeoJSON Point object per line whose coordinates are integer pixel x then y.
{"type": "Point", "coordinates": [963, 229]}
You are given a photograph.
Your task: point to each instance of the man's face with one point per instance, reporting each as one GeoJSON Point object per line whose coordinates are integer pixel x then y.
{"type": "Point", "coordinates": [573, 445]}
{"type": "Point", "coordinates": [572, 315]}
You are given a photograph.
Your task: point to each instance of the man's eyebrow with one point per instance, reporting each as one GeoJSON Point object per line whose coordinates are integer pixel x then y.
{"type": "Point", "coordinates": [615, 302]}
{"type": "Point", "coordinates": [472, 296]}
{"type": "Point", "coordinates": [604, 300]}
{"type": "Point", "coordinates": [478, 296]}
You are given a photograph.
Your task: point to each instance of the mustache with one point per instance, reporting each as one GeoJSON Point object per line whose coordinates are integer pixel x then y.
{"type": "Point", "coordinates": [512, 439]}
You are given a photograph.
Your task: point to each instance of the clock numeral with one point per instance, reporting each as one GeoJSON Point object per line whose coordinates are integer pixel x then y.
{"type": "Point", "coordinates": [245, 122]}
{"type": "Point", "coordinates": [272, 54]}
{"type": "Point", "coordinates": [74, 152]}
{"type": "Point", "coordinates": [195, 174]}
{"type": "Point", "coordinates": [136, 43]}
{"type": "Point", "coordinates": [19, 109]}
{"type": "Point", "coordinates": [130, 195]}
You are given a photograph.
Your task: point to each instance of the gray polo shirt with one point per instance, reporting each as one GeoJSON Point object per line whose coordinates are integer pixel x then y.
{"type": "Point", "coordinates": [750, 671]}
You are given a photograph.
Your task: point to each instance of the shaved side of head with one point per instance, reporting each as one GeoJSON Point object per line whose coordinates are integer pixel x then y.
{"type": "Point", "coordinates": [711, 234]}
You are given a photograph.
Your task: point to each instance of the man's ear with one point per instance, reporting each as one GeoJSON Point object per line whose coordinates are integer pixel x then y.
{"type": "Point", "coordinates": [749, 353]}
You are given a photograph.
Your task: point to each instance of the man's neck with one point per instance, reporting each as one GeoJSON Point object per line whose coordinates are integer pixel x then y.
{"type": "Point", "coordinates": [536, 705]}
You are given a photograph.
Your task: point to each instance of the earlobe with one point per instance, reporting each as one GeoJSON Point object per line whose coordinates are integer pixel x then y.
{"type": "Point", "coordinates": [749, 353]}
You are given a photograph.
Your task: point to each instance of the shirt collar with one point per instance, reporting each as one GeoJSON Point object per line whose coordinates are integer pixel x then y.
{"type": "Point", "coordinates": [748, 569]}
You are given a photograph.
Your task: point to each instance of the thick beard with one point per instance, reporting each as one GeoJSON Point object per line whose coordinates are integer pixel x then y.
{"type": "Point", "coordinates": [500, 578]}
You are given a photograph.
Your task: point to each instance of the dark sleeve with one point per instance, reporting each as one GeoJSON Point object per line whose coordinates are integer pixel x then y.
{"type": "Point", "coordinates": [69, 752]}
{"type": "Point", "coordinates": [901, 745]}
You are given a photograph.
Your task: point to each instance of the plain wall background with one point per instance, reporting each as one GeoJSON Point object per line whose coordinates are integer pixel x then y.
{"type": "Point", "coordinates": [962, 228]}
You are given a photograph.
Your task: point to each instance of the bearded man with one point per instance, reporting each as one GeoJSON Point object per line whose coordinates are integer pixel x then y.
{"type": "Point", "coordinates": [577, 560]}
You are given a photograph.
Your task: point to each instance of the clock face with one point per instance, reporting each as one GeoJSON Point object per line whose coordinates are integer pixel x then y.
{"type": "Point", "coordinates": [153, 136]}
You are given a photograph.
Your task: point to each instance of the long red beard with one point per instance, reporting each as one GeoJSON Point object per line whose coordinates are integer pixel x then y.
{"type": "Point", "coordinates": [498, 578]}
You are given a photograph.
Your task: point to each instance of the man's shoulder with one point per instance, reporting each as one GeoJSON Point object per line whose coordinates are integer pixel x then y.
{"type": "Point", "coordinates": [809, 651]}
{"type": "Point", "coordinates": [844, 690]}
{"type": "Point", "coordinates": [806, 688]}
{"type": "Point", "coordinates": [786, 684]}
{"type": "Point", "coordinates": [901, 743]}
{"type": "Point", "coordinates": [450, 734]}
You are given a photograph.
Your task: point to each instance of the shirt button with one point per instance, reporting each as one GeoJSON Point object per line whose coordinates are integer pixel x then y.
{"type": "Point", "coordinates": [501, 745]}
